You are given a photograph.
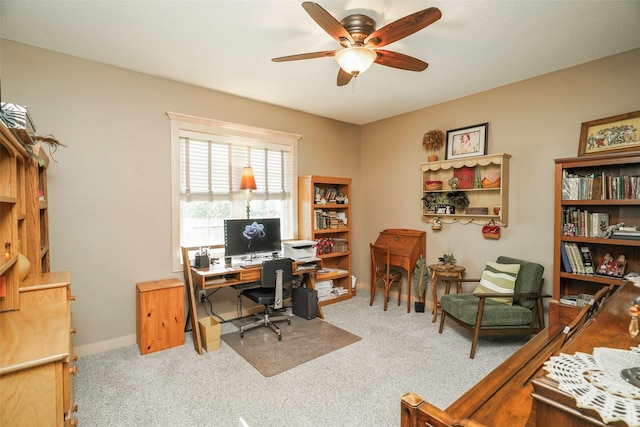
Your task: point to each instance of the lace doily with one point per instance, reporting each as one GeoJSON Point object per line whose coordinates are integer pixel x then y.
{"type": "Point", "coordinates": [595, 382]}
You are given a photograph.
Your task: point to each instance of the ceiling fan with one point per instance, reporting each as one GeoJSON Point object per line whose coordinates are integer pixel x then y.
{"type": "Point", "coordinates": [361, 41]}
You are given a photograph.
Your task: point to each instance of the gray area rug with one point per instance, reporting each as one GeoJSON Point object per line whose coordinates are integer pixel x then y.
{"type": "Point", "coordinates": [302, 341]}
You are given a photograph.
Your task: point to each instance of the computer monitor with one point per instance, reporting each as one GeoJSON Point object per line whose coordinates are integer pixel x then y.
{"type": "Point", "coordinates": [249, 236]}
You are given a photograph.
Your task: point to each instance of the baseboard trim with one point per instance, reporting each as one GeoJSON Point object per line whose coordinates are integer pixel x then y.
{"type": "Point", "coordinates": [99, 347]}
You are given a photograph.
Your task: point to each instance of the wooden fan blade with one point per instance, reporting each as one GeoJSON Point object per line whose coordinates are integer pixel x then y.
{"type": "Point", "coordinates": [399, 60]}
{"type": "Point", "coordinates": [305, 56]}
{"type": "Point", "coordinates": [327, 22]}
{"type": "Point", "coordinates": [343, 77]}
{"type": "Point", "coordinates": [403, 27]}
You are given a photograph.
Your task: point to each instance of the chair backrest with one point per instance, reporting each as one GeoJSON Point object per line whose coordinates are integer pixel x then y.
{"type": "Point", "coordinates": [274, 275]}
{"type": "Point", "coordinates": [380, 260]}
{"type": "Point", "coordinates": [269, 269]}
{"type": "Point", "coordinates": [529, 279]}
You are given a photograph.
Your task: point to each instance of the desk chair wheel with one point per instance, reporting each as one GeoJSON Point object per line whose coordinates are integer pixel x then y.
{"type": "Point", "coordinates": [279, 337]}
{"type": "Point", "coordinates": [241, 334]}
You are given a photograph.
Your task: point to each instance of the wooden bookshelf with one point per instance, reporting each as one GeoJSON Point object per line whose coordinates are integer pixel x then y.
{"type": "Point", "coordinates": [325, 218]}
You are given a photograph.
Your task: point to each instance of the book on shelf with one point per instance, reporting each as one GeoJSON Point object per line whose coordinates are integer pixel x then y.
{"type": "Point", "coordinates": [625, 235]}
{"type": "Point", "coordinates": [575, 258]}
{"type": "Point", "coordinates": [587, 260]}
{"type": "Point", "coordinates": [565, 258]}
{"type": "Point", "coordinates": [600, 186]}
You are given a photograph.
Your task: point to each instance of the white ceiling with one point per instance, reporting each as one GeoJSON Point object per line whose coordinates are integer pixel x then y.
{"type": "Point", "coordinates": [228, 45]}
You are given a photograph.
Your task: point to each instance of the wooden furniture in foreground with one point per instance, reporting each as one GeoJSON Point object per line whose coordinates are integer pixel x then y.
{"type": "Point", "coordinates": [485, 181]}
{"type": "Point", "coordinates": [381, 271]}
{"type": "Point", "coordinates": [324, 212]}
{"type": "Point", "coordinates": [159, 315]}
{"type": "Point", "coordinates": [510, 387]}
{"type": "Point", "coordinates": [37, 364]}
{"type": "Point", "coordinates": [215, 277]}
{"type": "Point", "coordinates": [598, 176]}
{"type": "Point", "coordinates": [406, 248]}
{"type": "Point", "coordinates": [442, 271]}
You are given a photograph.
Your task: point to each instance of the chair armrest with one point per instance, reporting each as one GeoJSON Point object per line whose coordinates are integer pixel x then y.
{"type": "Point", "coordinates": [454, 280]}
{"type": "Point", "coordinates": [499, 295]}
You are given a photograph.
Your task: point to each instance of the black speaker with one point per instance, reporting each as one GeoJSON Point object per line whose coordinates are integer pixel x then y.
{"type": "Point", "coordinates": [305, 303]}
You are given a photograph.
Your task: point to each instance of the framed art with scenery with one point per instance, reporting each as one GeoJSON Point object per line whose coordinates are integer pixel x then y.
{"type": "Point", "coordinates": [467, 142]}
{"type": "Point", "coordinates": [610, 135]}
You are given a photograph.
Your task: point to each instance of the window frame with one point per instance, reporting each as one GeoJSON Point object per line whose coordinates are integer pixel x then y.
{"type": "Point", "coordinates": [182, 123]}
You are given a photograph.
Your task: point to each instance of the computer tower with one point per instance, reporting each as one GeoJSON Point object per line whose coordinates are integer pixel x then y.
{"type": "Point", "coordinates": [305, 303]}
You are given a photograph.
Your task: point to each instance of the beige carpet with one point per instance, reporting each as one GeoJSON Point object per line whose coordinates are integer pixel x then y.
{"type": "Point", "coordinates": [302, 341]}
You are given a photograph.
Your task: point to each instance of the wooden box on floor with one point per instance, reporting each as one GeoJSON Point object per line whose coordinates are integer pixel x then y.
{"type": "Point", "coordinates": [159, 315]}
{"type": "Point", "coordinates": [210, 333]}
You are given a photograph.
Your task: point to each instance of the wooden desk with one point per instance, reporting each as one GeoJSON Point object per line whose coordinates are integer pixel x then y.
{"type": "Point", "coordinates": [215, 277]}
{"type": "Point", "coordinates": [510, 386]}
{"type": "Point", "coordinates": [443, 270]}
{"type": "Point", "coordinates": [406, 248]}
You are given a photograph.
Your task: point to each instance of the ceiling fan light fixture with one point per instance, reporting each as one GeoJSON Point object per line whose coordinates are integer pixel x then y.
{"type": "Point", "coordinates": [356, 60]}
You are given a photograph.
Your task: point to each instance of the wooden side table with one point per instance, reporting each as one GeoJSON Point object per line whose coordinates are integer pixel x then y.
{"type": "Point", "coordinates": [439, 271]}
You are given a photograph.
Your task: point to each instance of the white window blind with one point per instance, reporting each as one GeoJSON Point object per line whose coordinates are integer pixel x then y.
{"type": "Point", "coordinates": [208, 157]}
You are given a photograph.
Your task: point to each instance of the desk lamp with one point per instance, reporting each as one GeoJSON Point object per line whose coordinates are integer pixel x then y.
{"type": "Point", "coordinates": [248, 183]}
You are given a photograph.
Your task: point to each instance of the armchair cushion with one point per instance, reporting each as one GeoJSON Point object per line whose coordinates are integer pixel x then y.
{"type": "Point", "coordinates": [498, 278]}
{"type": "Point", "coordinates": [464, 307]}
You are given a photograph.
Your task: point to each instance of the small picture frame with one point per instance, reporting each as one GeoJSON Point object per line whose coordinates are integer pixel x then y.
{"type": "Point", "coordinates": [610, 135]}
{"type": "Point", "coordinates": [468, 141]}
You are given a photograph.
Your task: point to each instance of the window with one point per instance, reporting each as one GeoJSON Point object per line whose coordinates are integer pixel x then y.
{"type": "Point", "coordinates": [207, 161]}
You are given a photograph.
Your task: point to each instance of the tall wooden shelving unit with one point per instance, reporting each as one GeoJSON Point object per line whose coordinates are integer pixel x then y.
{"type": "Point", "coordinates": [309, 229]}
{"type": "Point", "coordinates": [620, 210]}
{"type": "Point", "coordinates": [35, 311]}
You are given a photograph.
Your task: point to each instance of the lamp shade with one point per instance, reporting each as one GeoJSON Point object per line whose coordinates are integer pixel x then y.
{"type": "Point", "coordinates": [355, 60]}
{"type": "Point", "coordinates": [248, 181]}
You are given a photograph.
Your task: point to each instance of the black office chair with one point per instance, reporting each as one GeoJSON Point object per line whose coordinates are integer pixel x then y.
{"type": "Point", "coordinates": [275, 274]}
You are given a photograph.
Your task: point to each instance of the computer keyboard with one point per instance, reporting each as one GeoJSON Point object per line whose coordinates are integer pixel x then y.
{"type": "Point", "coordinates": [251, 263]}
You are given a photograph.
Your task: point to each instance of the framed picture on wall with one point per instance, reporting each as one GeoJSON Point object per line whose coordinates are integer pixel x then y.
{"type": "Point", "coordinates": [610, 135]}
{"type": "Point", "coordinates": [467, 142]}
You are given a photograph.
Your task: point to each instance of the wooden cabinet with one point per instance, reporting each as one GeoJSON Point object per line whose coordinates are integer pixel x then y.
{"type": "Point", "coordinates": [324, 215]}
{"type": "Point", "coordinates": [159, 315]}
{"type": "Point", "coordinates": [37, 216]}
{"type": "Point", "coordinates": [589, 187]}
{"type": "Point", "coordinates": [37, 364]}
{"type": "Point", "coordinates": [13, 216]}
{"type": "Point", "coordinates": [484, 180]}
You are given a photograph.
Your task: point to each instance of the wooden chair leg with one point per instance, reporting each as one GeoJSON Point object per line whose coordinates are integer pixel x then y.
{"type": "Point", "coordinates": [399, 291]}
{"type": "Point", "coordinates": [442, 316]}
{"type": "Point", "coordinates": [386, 295]}
{"type": "Point", "coordinates": [372, 291]}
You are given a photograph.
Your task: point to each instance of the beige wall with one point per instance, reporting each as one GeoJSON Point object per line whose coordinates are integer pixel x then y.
{"type": "Point", "coordinates": [535, 121]}
{"type": "Point", "coordinates": [109, 190]}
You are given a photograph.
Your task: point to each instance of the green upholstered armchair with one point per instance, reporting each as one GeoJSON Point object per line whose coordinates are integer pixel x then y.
{"type": "Point", "coordinates": [481, 314]}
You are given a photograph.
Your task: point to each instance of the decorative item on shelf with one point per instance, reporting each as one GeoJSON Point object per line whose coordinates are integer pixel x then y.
{"type": "Point", "coordinates": [491, 230]}
{"type": "Point", "coordinates": [324, 246]}
{"type": "Point", "coordinates": [476, 211]}
{"type": "Point", "coordinates": [7, 250]}
{"type": "Point", "coordinates": [24, 265]}
{"type": "Point", "coordinates": [609, 266]}
{"type": "Point", "coordinates": [447, 259]}
{"type": "Point", "coordinates": [420, 281]}
{"type": "Point", "coordinates": [454, 182]}
{"type": "Point", "coordinates": [491, 180]}
{"type": "Point", "coordinates": [458, 199]}
{"type": "Point", "coordinates": [433, 185]}
{"type": "Point", "coordinates": [437, 224]}
{"type": "Point", "coordinates": [433, 141]}
{"type": "Point", "coordinates": [429, 201]}
{"type": "Point", "coordinates": [466, 175]}
{"type": "Point", "coordinates": [496, 210]}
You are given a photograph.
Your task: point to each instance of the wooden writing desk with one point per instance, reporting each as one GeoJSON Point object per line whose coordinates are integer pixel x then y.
{"type": "Point", "coordinates": [406, 247]}
{"type": "Point", "coordinates": [215, 277]}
